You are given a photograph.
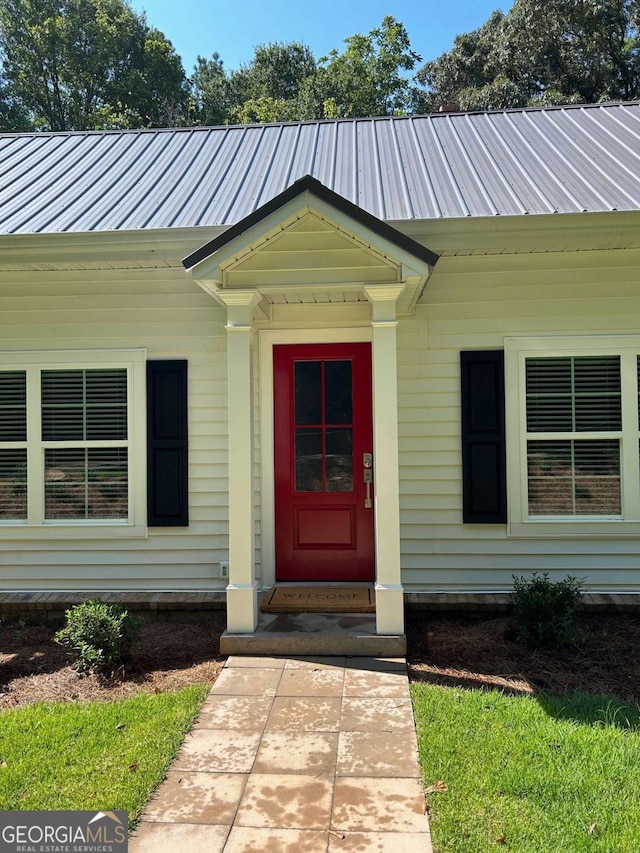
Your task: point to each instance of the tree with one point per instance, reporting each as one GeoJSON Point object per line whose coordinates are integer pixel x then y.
{"type": "Point", "coordinates": [211, 94]}
{"type": "Point", "coordinates": [12, 116]}
{"type": "Point", "coordinates": [366, 79]}
{"type": "Point", "coordinates": [283, 82]}
{"type": "Point", "coordinates": [277, 71]}
{"type": "Point", "coordinates": [87, 64]}
{"type": "Point", "coordinates": [540, 52]}
{"type": "Point", "coordinates": [265, 89]}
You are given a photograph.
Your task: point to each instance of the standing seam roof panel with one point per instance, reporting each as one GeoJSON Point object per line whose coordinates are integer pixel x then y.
{"type": "Point", "coordinates": [619, 147]}
{"type": "Point", "coordinates": [419, 183]}
{"type": "Point", "coordinates": [186, 173]}
{"type": "Point", "coordinates": [578, 156]}
{"type": "Point", "coordinates": [236, 191]}
{"type": "Point", "coordinates": [447, 191]}
{"type": "Point", "coordinates": [490, 172]}
{"type": "Point", "coordinates": [393, 178]}
{"type": "Point", "coordinates": [143, 199]}
{"type": "Point", "coordinates": [547, 181]}
{"type": "Point", "coordinates": [303, 159]}
{"type": "Point", "coordinates": [569, 159]}
{"type": "Point", "coordinates": [255, 175]}
{"type": "Point", "coordinates": [67, 183]}
{"type": "Point", "coordinates": [545, 142]}
{"type": "Point", "coordinates": [208, 208]}
{"type": "Point", "coordinates": [30, 173]}
{"type": "Point", "coordinates": [516, 170]}
{"type": "Point", "coordinates": [475, 192]}
{"type": "Point", "coordinates": [280, 167]}
{"type": "Point", "coordinates": [368, 190]}
{"type": "Point", "coordinates": [129, 165]}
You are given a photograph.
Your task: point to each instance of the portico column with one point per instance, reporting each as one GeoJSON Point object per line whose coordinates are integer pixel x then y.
{"type": "Point", "coordinates": [389, 594]}
{"type": "Point", "coordinates": [242, 594]}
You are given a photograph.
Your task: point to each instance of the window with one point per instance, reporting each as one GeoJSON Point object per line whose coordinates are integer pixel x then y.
{"type": "Point", "coordinates": [573, 433]}
{"type": "Point", "coordinates": [72, 442]}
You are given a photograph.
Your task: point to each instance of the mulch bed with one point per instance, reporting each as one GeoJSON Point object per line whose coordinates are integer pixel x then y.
{"type": "Point", "coordinates": [444, 648]}
{"type": "Point", "coordinates": [170, 655]}
{"type": "Point", "coordinates": [481, 652]}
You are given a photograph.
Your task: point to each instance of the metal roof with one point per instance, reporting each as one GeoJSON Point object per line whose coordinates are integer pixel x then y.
{"type": "Point", "coordinates": [554, 160]}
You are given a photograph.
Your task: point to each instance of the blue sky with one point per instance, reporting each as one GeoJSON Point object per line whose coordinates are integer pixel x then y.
{"type": "Point", "coordinates": [234, 27]}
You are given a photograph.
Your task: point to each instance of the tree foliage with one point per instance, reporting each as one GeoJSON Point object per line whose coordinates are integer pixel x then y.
{"type": "Point", "coordinates": [541, 52]}
{"type": "Point", "coordinates": [366, 79]}
{"type": "Point", "coordinates": [94, 64]}
{"type": "Point", "coordinates": [284, 82]}
{"type": "Point", "coordinates": [87, 64]}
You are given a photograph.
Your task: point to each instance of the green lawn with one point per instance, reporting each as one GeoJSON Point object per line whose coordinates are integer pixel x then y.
{"type": "Point", "coordinates": [99, 755]}
{"type": "Point", "coordinates": [543, 774]}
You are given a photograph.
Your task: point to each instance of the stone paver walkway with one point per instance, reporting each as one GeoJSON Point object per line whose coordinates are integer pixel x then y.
{"type": "Point", "coordinates": [313, 755]}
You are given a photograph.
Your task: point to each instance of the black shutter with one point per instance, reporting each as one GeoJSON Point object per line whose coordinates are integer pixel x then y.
{"type": "Point", "coordinates": [484, 488]}
{"type": "Point", "coordinates": [167, 446]}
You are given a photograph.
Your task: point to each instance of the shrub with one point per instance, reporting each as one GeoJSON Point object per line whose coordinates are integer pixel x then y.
{"type": "Point", "coordinates": [546, 613]}
{"type": "Point", "coordinates": [99, 636]}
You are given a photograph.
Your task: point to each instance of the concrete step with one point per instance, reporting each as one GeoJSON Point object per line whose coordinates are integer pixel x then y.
{"type": "Point", "coordinates": [294, 634]}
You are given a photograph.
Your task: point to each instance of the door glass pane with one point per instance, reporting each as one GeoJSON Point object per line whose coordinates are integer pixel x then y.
{"type": "Point", "coordinates": [308, 392]}
{"type": "Point", "coordinates": [339, 460]}
{"type": "Point", "coordinates": [338, 407]}
{"type": "Point", "coordinates": [308, 460]}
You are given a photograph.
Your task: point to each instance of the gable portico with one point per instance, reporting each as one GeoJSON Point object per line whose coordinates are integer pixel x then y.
{"type": "Point", "coordinates": [309, 267]}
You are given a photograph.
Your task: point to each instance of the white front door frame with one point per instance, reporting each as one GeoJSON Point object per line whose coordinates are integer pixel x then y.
{"type": "Point", "coordinates": [389, 601]}
{"type": "Point", "coordinates": [268, 338]}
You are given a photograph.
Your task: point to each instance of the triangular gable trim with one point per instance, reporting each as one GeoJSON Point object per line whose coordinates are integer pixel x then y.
{"type": "Point", "coordinates": [313, 186]}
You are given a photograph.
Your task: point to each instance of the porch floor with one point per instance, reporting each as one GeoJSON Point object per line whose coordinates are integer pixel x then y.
{"type": "Point", "coordinates": [314, 634]}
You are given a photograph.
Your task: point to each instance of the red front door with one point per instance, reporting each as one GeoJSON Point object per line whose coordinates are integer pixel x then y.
{"type": "Point", "coordinates": [323, 446]}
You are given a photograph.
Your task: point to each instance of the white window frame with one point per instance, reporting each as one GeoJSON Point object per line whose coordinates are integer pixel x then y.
{"type": "Point", "coordinates": [35, 526]}
{"type": "Point", "coordinates": [521, 524]}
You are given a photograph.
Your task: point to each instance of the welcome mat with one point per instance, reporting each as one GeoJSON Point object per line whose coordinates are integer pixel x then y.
{"type": "Point", "coordinates": [319, 599]}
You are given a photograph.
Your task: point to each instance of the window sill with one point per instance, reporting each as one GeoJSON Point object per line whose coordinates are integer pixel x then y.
{"type": "Point", "coordinates": [588, 528]}
{"type": "Point", "coordinates": [71, 531]}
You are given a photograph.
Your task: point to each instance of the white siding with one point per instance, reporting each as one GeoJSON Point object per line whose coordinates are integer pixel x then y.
{"type": "Point", "coordinates": [470, 302]}
{"type": "Point", "coordinates": [166, 313]}
{"type": "Point", "coordinates": [473, 302]}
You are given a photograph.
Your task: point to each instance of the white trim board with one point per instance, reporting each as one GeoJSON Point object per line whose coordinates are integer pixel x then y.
{"type": "Point", "coordinates": [268, 338]}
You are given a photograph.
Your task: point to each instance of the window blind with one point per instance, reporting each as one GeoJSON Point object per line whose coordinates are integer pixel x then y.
{"type": "Point", "coordinates": [86, 483]}
{"type": "Point", "coordinates": [84, 405]}
{"type": "Point", "coordinates": [13, 405]}
{"type": "Point", "coordinates": [81, 406]}
{"type": "Point", "coordinates": [579, 475]}
{"type": "Point", "coordinates": [574, 477]}
{"type": "Point", "coordinates": [13, 484]}
{"type": "Point", "coordinates": [576, 394]}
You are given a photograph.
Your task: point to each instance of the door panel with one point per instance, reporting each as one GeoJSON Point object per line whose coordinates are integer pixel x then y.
{"type": "Point", "coordinates": [323, 429]}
